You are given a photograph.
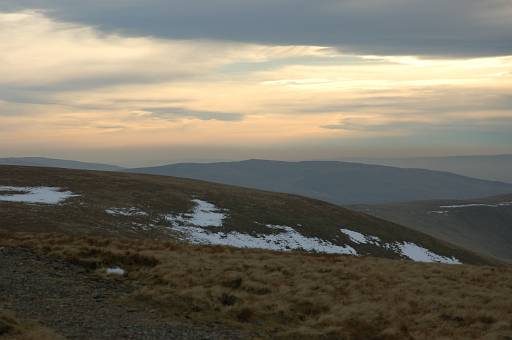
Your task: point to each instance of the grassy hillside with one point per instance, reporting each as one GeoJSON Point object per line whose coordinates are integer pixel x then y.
{"type": "Point", "coordinates": [484, 225]}
{"type": "Point", "coordinates": [250, 215]}
{"type": "Point", "coordinates": [337, 182]}
{"type": "Point", "coordinates": [293, 295]}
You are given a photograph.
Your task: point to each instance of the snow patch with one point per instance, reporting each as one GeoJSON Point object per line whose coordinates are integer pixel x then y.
{"type": "Point", "coordinates": [194, 227]}
{"type": "Point", "coordinates": [420, 254]}
{"type": "Point", "coordinates": [205, 214]}
{"type": "Point", "coordinates": [407, 249]}
{"type": "Point", "coordinates": [126, 212]}
{"type": "Point", "coordinates": [42, 195]}
{"type": "Point", "coordinates": [115, 271]}
{"type": "Point", "coordinates": [286, 240]}
{"type": "Point", "coordinates": [359, 238]}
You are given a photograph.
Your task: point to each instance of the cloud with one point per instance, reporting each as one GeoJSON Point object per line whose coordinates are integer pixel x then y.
{"type": "Point", "coordinates": [39, 51]}
{"type": "Point", "coordinates": [383, 27]}
{"type": "Point", "coordinates": [65, 84]}
{"type": "Point", "coordinates": [177, 112]}
{"type": "Point", "coordinates": [438, 102]}
{"type": "Point", "coordinates": [110, 127]}
{"type": "Point", "coordinates": [417, 124]}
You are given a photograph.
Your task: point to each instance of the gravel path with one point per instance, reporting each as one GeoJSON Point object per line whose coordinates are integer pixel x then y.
{"type": "Point", "coordinates": [78, 305]}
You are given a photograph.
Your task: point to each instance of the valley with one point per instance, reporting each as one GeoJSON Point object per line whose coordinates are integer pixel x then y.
{"type": "Point", "coordinates": [483, 225]}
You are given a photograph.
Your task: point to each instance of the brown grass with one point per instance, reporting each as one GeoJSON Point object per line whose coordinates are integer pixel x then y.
{"type": "Point", "coordinates": [298, 295]}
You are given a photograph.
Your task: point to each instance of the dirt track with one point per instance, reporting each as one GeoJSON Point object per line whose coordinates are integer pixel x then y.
{"type": "Point", "coordinates": [78, 305]}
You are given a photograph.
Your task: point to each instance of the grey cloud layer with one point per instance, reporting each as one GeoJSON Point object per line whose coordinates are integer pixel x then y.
{"type": "Point", "coordinates": [435, 27]}
{"type": "Point", "coordinates": [406, 113]}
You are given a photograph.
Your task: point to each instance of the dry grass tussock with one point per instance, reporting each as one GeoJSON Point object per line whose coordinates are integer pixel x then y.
{"type": "Point", "coordinates": [13, 329]}
{"type": "Point", "coordinates": [297, 295]}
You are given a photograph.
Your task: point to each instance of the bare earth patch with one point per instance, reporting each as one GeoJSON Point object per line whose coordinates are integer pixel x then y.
{"type": "Point", "coordinates": [77, 303]}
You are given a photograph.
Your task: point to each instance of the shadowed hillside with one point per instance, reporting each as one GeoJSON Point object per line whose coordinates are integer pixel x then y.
{"type": "Point", "coordinates": [483, 225]}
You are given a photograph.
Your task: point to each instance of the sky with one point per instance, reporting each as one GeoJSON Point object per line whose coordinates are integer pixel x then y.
{"type": "Point", "coordinates": [144, 82]}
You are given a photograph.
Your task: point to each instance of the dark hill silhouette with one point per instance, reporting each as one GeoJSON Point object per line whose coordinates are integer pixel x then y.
{"type": "Point", "coordinates": [337, 182]}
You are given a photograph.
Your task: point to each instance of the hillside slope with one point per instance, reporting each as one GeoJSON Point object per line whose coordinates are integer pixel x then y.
{"type": "Point", "coordinates": [337, 182]}
{"type": "Point", "coordinates": [144, 206]}
{"type": "Point", "coordinates": [483, 225]}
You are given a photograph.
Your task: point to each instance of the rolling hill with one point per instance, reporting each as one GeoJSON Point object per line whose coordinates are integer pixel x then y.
{"type": "Point", "coordinates": [483, 225]}
{"type": "Point", "coordinates": [158, 207]}
{"type": "Point", "coordinates": [337, 182]}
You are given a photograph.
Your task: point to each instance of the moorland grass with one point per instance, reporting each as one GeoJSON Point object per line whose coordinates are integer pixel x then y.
{"type": "Point", "coordinates": [299, 295]}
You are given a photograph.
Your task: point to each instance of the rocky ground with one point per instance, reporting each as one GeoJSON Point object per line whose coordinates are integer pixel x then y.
{"type": "Point", "coordinates": [78, 305]}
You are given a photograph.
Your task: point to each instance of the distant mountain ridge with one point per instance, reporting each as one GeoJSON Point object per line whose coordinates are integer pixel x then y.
{"type": "Point", "coordinates": [58, 163]}
{"type": "Point", "coordinates": [337, 182]}
{"type": "Point", "coordinates": [333, 181]}
{"type": "Point", "coordinates": [491, 167]}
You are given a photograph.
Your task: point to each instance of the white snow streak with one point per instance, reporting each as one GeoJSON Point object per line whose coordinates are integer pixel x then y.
{"type": "Point", "coordinates": [287, 239]}
{"type": "Point", "coordinates": [420, 254]}
{"type": "Point", "coordinates": [43, 195]}
{"type": "Point", "coordinates": [407, 249]}
{"type": "Point", "coordinates": [360, 238]}
{"type": "Point", "coordinates": [503, 204]}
